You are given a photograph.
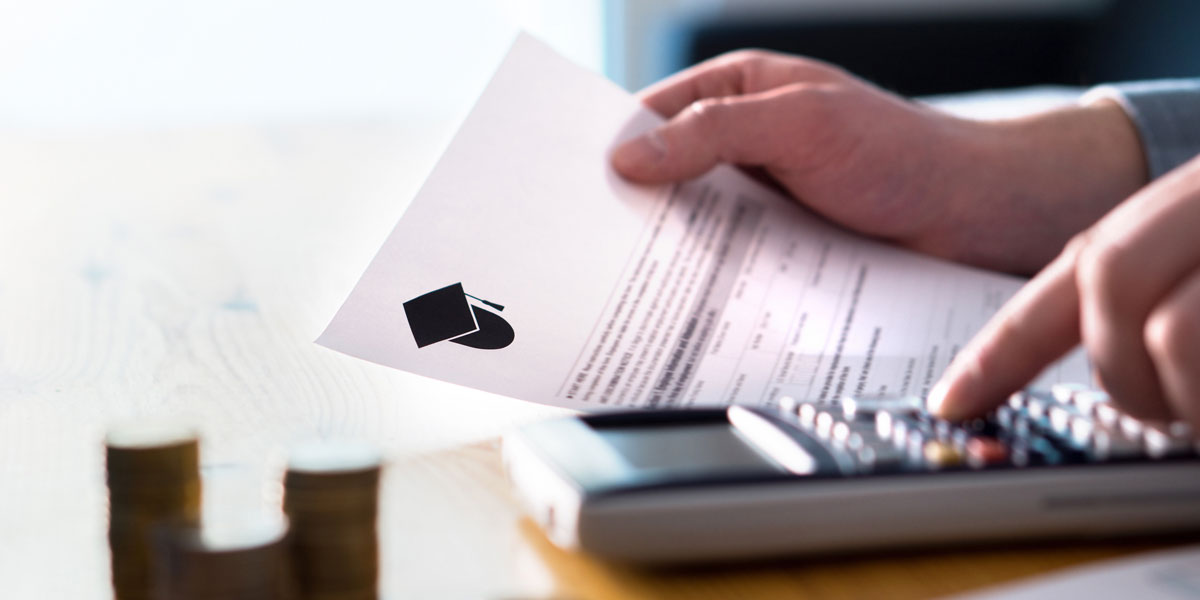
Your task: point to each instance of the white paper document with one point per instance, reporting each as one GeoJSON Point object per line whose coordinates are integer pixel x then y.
{"type": "Point", "coordinates": [1167, 575]}
{"type": "Point", "coordinates": [526, 267]}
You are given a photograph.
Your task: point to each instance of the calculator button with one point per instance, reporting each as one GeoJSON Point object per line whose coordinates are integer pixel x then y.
{"type": "Point", "coordinates": [1060, 420]}
{"type": "Point", "coordinates": [883, 425]}
{"type": "Point", "coordinates": [1016, 400]}
{"type": "Point", "coordinates": [940, 455]}
{"type": "Point", "coordinates": [806, 414]}
{"type": "Point", "coordinates": [1130, 426]}
{"type": "Point", "coordinates": [849, 436]}
{"type": "Point", "coordinates": [1065, 393]}
{"type": "Point", "coordinates": [981, 426]}
{"type": "Point", "coordinates": [914, 437]}
{"type": "Point", "coordinates": [982, 452]}
{"type": "Point", "coordinates": [1161, 443]}
{"type": "Point", "coordinates": [1004, 416]}
{"type": "Point", "coordinates": [840, 432]}
{"type": "Point", "coordinates": [1086, 402]}
{"type": "Point", "coordinates": [1022, 426]}
{"type": "Point", "coordinates": [899, 433]}
{"type": "Point", "coordinates": [1107, 414]}
{"type": "Point", "coordinates": [1034, 451]}
{"type": "Point", "coordinates": [824, 424]}
{"type": "Point", "coordinates": [960, 438]}
{"type": "Point", "coordinates": [1035, 407]}
{"type": "Point", "coordinates": [867, 408]}
{"type": "Point", "coordinates": [855, 441]}
{"type": "Point", "coordinates": [789, 405]}
{"type": "Point", "coordinates": [921, 422]}
{"type": "Point", "coordinates": [942, 430]}
{"type": "Point", "coordinates": [877, 458]}
{"type": "Point", "coordinates": [1081, 430]}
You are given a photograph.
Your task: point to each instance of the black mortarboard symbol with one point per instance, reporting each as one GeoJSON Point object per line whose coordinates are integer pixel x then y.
{"type": "Point", "coordinates": [445, 314]}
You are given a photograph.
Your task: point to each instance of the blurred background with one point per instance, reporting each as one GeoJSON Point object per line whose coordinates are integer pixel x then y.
{"type": "Point", "coordinates": [148, 62]}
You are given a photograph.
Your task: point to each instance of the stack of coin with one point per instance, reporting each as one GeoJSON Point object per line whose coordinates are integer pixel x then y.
{"type": "Point", "coordinates": [331, 497]}
{"type": "Point", "coordinates": [240, 558]}
{"type": "Point", "coordinates": [153, 472]}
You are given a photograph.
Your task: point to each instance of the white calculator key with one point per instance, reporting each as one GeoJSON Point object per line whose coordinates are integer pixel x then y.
{"type": "Point", "coordinates": [1036, 407]}
{"type": "Point", "coordinates": [840, 432]}
{"type": "Point", "coordinates": [1087, 401]}
{"type": "Point", "coordinates": [1130, 426]}
{"type": "Point", "coordinates": [789, 405]}
{"type": "Point", "coordinates": [854, 407]}
{"type": "Point", "coordinates": [1060, 420]}
{"type": "Point", "coordinates": [824, 424]}
{"type": "Point", "coordinates": [1107, 414]}
{"type": "Point", "coordinates": [1081, 430]}
{"type": "Point", "coordinates": [874, 457]}
{"type": "Point", "coordinates": [883, 425]}
{"type": "Point", "coordinates": [1016, 401]}
{"type": "Point", "coordinates": [806, 415]}
{"type": "Point", "coordinates": [1065, 392]}
{"type": "Point", "coordinates": [1160, 442]}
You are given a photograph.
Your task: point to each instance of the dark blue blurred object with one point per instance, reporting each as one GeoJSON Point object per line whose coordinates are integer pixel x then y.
{"type": "Point", "coordinates": [1130, 39]}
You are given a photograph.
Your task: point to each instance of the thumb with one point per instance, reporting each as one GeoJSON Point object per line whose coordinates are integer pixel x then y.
{"type": "Point", "coordinates": [695, 140]}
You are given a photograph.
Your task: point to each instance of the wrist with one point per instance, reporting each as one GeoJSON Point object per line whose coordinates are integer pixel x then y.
{"type": "Point", "coordinates": [1025, 186]}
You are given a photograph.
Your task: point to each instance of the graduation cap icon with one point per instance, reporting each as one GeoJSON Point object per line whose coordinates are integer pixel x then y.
{"type": "Point", "coordinates": [446, 314]}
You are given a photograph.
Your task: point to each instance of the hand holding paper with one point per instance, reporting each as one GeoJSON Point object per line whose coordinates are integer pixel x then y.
{"type": "Point", "coordinates": [997, 194]}
{"type": "Point", "coordinates": [716, 290]}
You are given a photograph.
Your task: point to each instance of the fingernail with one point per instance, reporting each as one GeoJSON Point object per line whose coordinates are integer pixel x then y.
{"type": "Point", "coordinates": [936, 398]}
{"type": "Point", "coordinates": [640, 152]}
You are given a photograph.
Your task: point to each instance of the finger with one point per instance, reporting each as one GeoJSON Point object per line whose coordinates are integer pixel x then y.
{"type": "Point", "coordinates": [743, 130]}
{"type": "Point", "coordinates": [1139, 254]}
{"type": "Point", "coordinates": [1141, 250]}
{"type": "Point", "coordinates": [1172, 336]}
{"type": "Point", "coordinates": [1036, 327]}
{"type": "Point", "coordinates": [715, 78]}
{"type": "Point", "coordinates": [733, 74]}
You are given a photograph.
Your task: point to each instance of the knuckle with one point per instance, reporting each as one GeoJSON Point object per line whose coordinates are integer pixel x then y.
{"type": "Point", "coordinates": [807, 105]}
{"type": "Point", "coordinates": [748, 56]}
{"type": "Point", "coordinates": [1105, 272]}
{"type": "Point", "coordinates": [706, 113]}
{"type": "Point", "coordinates": [818, 70]}
{"type": "Point", "coordinates": [1171, 334]}
{"type": "Point", "coordinates": [820, 110]}
{"type": "Point", "coordinates": [820, 101]}
{"type": "Point", "coordinates": [1076, 245]}
{"type": "Point", "coordinates": [757, 62]}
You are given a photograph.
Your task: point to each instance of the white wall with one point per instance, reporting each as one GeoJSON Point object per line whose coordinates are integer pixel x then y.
{"type": "Point", "coordinates": [151, 62]}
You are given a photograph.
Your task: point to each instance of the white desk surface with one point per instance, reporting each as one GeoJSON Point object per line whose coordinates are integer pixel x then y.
{"type": "Point", "coordinates": [186, 273]}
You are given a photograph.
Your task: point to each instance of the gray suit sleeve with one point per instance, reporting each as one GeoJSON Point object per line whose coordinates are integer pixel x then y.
{"type": "Point", "coordinates": [1167, 116]}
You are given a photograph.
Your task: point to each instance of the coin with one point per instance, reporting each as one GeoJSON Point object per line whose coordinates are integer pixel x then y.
{"type": "Point", "coordinates": [331, 497]}
{"type": "Point", "coordinates": [153, 474]}
{"type": "Point", "coordinates": [243, 555]}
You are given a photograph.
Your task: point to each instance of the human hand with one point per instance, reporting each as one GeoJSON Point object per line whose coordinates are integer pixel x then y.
{"type": "Point", "coordinates": [1128, 288]}
{"type": "Point", "coordinates": [1000, 194]}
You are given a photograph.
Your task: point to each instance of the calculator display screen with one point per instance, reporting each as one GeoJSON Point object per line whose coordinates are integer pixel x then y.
{"type": "Point", "coordinates": [685, 451]}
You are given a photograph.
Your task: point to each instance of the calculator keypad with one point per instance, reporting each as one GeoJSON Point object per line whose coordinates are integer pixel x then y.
{"type": "Point", "coordinates": [1067, 424]}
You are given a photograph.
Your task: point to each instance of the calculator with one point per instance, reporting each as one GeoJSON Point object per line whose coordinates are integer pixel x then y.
{"type": "Point", "coordinates": [861, 473]}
